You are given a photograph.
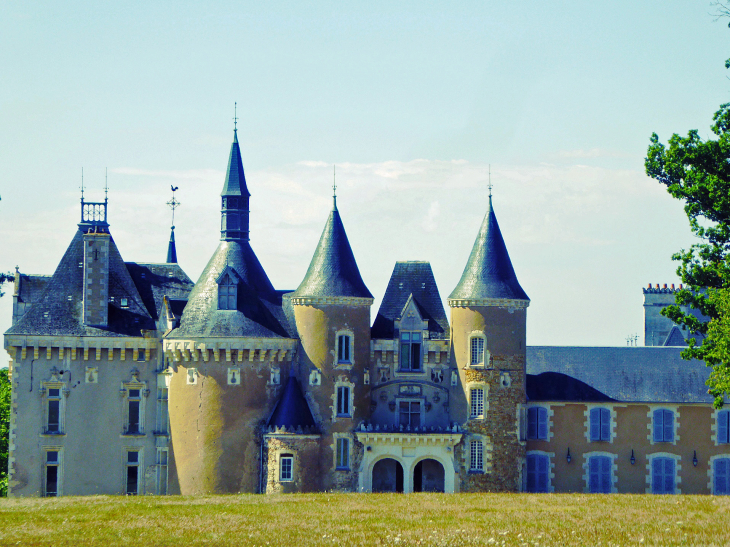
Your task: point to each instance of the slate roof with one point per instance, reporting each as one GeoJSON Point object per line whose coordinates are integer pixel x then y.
{"type": "Point", "coordinates": [333, 270]}
{"type": "Point", "coordinates": [65, 317]}
{"type": "Point", "coordinates": [629, 374]}
{"type": "Point", "coordinates": [411, 278]}
{"type": "Point", "coordinates": [155, 281]}
{"type": "Point", "coordinates": [292, 410]}
{"type": "Point", "coordinates": [235, 184]}
{"type": "Point", "coordinates": [489, 272]}
{"type": "Point", "coordinates": [675, 337]}
{"type": "Point", "coordinates": [31, 287]}
{"type": "Point", "coordinates": [171, 249]}
{"type": "Point", "coordinates": [258, 312]}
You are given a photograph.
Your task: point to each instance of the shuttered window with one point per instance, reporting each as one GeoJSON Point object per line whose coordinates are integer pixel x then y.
{"type": "Point", "coordinates": [599, 474]}
{"type": "Point", "coordinates": [721, 476]}
{"type": "Point", "coordinates": [537, 426]}
{"type": "Point", "coordinates": [723, 431]}
{"type": "Point", "coordinates": [663, 426]}
{"type": "Point", "coordinates": [538, 473]}
{"type": "Point", "coordinates": [600, 420]}
{"type": "Point", "coordinates": [662, 476]}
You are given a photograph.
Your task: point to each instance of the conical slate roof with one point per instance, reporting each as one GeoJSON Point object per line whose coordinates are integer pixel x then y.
{"type": "Point", "coordinates": [235, 184]}
{"type": "Point", "coordinates": [171, 250]}
{"type": "Point", "coordinates": [333, 270]}
{"type": "Point", "coordinates": [489, 273]}
{"type": "Point", "coordinates": [292, 410]}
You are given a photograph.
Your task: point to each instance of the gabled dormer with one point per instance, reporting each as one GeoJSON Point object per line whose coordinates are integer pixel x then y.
{"type": "Point", "coordinates": [228, 282]}
{"type": "Point", "coordinates": [411, 329]}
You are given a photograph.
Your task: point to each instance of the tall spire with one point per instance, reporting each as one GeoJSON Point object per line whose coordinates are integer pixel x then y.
{"type": "Point", "coordinates": [171, 250]}
{"type": "Point", "coordinates": [489, 274]}
{"type": "Point", "coordinates": [235, 195]}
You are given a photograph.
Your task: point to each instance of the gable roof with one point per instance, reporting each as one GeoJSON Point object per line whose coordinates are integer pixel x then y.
{"type": "Point", "coordinates": [333, 270]}
{"type": "Point", "coordinates": [155, 281]}
{"type": "Point", "coordinates": [258, 310]}
{"type": "Point", "coordinates": [675, 337]}
{"type": "Point", "coordinates": [411, 278]}
{"type": "Point", "coordinates": [59, 311]}
{"type": "Point", "coordinates": [292, 410]}
{"type": "Point", "coordinates": [648, 374]}
{"type": "Point", "coordinates": [489, 273]}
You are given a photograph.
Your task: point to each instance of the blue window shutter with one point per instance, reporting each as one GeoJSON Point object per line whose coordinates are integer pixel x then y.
{"type": "Point", "coordinates": [605, 415]}
{"type": "Point", "coordinates": [722, 426]}
{"type": "Point", "coordinates": [531, 473]}
{"type": "Point", "coordinates": [532, 423]}
{"type": "Point", "coordinates": [668, 426]}
{"type": "Point", "coordinates": [668, 476]}
{"type": "Point", "coordinates": [605, 474]}
{"type": "Point", "coordinates": [542, 426]}
{"type": "Point", "coordinates": [721, 476]}
{"type": "Point", "coordinates": [543, 470]}
{"type": "Point", "coordinates": [657, 476]}
{"type": "Point", "coordinates": [593, 474]}
{"type": "Point", "coordinates": [595, 424]}
{"type": "Point", "coordinates": [658, 427]}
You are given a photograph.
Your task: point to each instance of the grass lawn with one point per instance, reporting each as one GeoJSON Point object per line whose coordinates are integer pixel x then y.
{"type": "Point", "coordinates": [368, 519]}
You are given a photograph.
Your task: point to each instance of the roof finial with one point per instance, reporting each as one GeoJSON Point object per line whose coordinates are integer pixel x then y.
{"type": "Point", "coordinates": [106, 184]}
{"type": "Point", "coordinates": [82, 184]}
{"type": "Point", "coordinates": [334, 186]}
{"type": "Point", "coordinates": [235, 117]}
{"type": "Point", "coordinates": [490, 186]}
{"type": "Point", "coordinates": [173, 203]}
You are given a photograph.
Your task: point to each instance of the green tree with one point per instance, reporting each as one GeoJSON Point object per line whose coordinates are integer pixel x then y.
{"type": "Point", "coordinates": [698, 173]}
{"type": "Point", "coordinates": [4, 430]}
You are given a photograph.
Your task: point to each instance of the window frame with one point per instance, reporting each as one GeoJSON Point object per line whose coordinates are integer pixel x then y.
{"type": "Point", "coordinates": [474, 357]}
{"type": "Point", "coordinates": [162, 415]}
{"type": "Point", "coordinates": [665, 458]}
{"type": "Point", "coordinates": [344, 348]}
{"type": "Point", "coordinates": [535, 415]}
{"type": "Point", "coordinates": [227, 295]}
{"type": "Point", "coordinates": [127, 388]}
{"type": "Point", "coordinates": [725, 460]}
{"type": "Point", "coordinates": [289, 458]}
{"type": "Point", "coordinates": [538, 458]}
{"type": "Point", "coordinates": [162, 463]}
{"type": "Point", "coordinates": [476, 456]}
{"type": "Point", "coordinates": [411, 344]}
{"type": "Point", "coordinates": [58, 465]}
{"type": "Point", "coordinates": [604, 476]}
{"type": "Point", "coordinates": [344, 401]}
{"type": "Point", "coordinates": [138, 465]}
{"type": "Point", "coordinates": [602, 427]}
{"type": "Point", "coordinates": [60, 399]}
{"type": "Point", "coordinates": [722, 430]}
{"type": "Point", "coordinates": [477, 404]}
{"type": "Point", "coordinates": [342, 453]}
{"type": "Point", "coordinates": [410, 413]}
{"type": "Point", "coordinates": [663, 427]}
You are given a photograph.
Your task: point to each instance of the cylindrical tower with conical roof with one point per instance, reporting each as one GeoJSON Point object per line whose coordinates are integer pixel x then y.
{"type": "Point", "coordinates": [488, 320]}
{"type": "Point", "coordinates": [332, 315]}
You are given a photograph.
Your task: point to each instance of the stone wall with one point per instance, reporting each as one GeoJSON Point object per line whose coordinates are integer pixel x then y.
{"type": "Point", "coordinates": [305, 474]}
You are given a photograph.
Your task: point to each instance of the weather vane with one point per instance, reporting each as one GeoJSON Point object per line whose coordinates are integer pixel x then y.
{"type": "Point", "coordinates": [235, 116]}
{"type": "Point", "coordinates": [490, 180]}
{"type": "Point", "coordinates": [173, 203]}
{"type": "Point", "coordinates": [82, 184]}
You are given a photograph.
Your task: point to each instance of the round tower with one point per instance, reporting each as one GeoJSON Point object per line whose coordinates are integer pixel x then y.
{"type": "Point", "coordinates": [488, 320]}
{"type": "Point", "coordinates": [332, 315]}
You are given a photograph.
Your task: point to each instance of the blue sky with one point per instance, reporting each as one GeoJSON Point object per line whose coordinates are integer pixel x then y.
{"type": "Point", "coordinates": [412, 101]}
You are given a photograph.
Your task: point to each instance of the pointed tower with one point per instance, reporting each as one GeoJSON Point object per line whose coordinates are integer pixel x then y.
{"type": "Point", "coordinates": [488, 319]}
{"type": "Point", "coordinates": [171, 251]}
{"type": "Point", "coordinates": [234, 198]}
{"type": "Point", "coordinates": [332, 315]}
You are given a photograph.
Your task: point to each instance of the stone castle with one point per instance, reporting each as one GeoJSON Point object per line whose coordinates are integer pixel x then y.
{"type": "Point", "coordinates": [128, 378]}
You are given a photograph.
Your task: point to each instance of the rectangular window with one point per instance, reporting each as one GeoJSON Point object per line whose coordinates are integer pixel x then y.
{"type": "Point", "coordinates": [723, 429]}
{"type": "Point", "coordinates": [599, 474]}
{"type": "Point", "coordinates": [133, 401]}
{"type": "Point", "coordinates": [132, 484]}
{"type": "Point", "coordinates": [663, 426]}
{"type": "Point", "coordinates": [52, 468]}
{"type": "Point", "coordinates": [161, 415]}
{"type": "Point", "coordinates": [537, 425]}
{"type": "Point", "coordinates": [476, 396]}
{"type": "Point", "coordinates": [343, 348]}
{"type": "Point", "coordinates": [662, 476]}
{"type": "Point", "coordinates": [476, 456]}
{"type": "Point", "coordinates": [538, 473]}
{"type": "Point", "coordinates": [477, 351]}
{"type": "Point", "coordinates": [721, 476]}
{"type": "Point", "coordinates": [286, 468]}
{"type": "Point", "coordinates": [409, 413]}
{"type": "Point", "coordinates": [227, 293]}
{"type": "Point", "coordinates": [343, 453]}
{"type": "Point", "coordinates": [54, 411]}
{"type": "Point", "coordinates": [600, 424]}
{"type": "Point", "coordinates": [410, 351]}
{"type": "Point", "coordinates": [343, 401]}
{"type": "Point", "coordinates": [162, 471]}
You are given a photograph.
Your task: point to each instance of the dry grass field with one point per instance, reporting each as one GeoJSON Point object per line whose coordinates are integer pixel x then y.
{"type": "Point", "coordinates": [373, 519]}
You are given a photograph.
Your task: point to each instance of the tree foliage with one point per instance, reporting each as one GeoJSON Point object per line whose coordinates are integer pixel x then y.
{"type": "Point", "coordinates": [4, 430]}
{"type": "Point", "coordinates": [698, 173]}
{"type": "Point", "coordinates": [5, 278]}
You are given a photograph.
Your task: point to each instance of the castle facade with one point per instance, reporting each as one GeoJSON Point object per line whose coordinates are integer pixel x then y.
{"type": "Point", "coordinates": [128, 378]}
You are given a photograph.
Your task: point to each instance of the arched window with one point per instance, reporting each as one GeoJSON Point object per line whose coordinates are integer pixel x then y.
{"type": "Point", "coordinates": [227, 292]}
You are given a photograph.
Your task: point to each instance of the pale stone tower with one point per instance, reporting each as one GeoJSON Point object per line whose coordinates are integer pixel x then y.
{"type": "Point", "coordinates": [332, 315]}
{"type": "Point", "coordinates": [488, 313]}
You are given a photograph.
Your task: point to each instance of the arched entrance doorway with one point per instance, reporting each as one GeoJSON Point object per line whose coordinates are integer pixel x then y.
{"type": "Point", "coordinates": [388, 476]}
{"type": "Point", "coordinates": [428, 476]}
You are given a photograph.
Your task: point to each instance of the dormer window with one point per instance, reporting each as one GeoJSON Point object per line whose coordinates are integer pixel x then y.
{"type": "Point", "coordinates": [227, 290]}
{"type": "Point", "coordinates": [410, 351]}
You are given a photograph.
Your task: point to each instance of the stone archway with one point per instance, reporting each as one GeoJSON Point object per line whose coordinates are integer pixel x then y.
{"type": "Point", "coordinates": [387, 476]}
{"type": "Point", "coordinates": [428, 476]}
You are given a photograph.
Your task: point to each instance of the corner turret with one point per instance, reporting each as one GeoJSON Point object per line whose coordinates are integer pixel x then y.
{"type": "Point", "coordinates": [235, 198]}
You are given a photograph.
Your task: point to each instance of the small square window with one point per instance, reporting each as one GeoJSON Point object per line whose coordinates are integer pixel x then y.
{"type": "Point", "coordinates": [125, 303]}
{"type": "Point", "coordinates": [286, 468]}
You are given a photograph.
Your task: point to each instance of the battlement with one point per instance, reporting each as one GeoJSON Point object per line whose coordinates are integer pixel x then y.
{"type": "Point", "coordinates": [656, 289]}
